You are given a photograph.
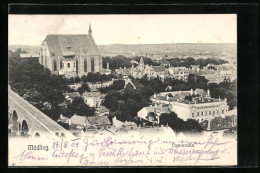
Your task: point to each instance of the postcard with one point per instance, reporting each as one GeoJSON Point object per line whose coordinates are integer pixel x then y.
{"type": "Point", "coordinates": [122, 90]}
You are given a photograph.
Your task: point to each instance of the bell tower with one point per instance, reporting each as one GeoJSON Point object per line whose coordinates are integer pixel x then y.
{"type": "Point", "coordinates": [90, 31]}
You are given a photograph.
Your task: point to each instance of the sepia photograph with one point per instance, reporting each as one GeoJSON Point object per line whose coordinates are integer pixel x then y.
{"type": "Point", "coordinates": [122, 90]}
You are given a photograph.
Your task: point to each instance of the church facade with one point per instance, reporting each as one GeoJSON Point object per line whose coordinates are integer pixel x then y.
{"type": "Point", "coordinates": [71, 55]}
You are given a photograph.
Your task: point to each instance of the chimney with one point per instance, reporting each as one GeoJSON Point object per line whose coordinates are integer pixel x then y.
{"type": "Point", "coordinates": [191, 92]}
{"type": "Point", "coordinates": [124, 67]}
{"type": "Point", "coordinates": [107, 65]}
{"type": "Point", "coordinates": [154, 96]}
{"type": "Point", "coordinates": [82, 133]}
{"type": "Point", "coordinates": [120, 68]}
{"type": "Point", "coordinates": [69, 122]}
{"type": "Point", "coordinates": [208, 92]}
{"type": "Point", "coordinates": [167, 97]}
{"type": "Point", "coordinates": [61, 116]}
{"type": "Point", "coordinates": [196, 92]}
{"type": "Point", "coordinates": [218, 99]}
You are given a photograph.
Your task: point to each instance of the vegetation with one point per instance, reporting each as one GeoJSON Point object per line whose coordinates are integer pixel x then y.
{"type": "Point", "coordinates": [179, 125]}
{"type": "Point", "coordinates": [36, 84]}
{"type": "Point", "coordinates": [122, 61]}
{"type": "Point", "coordinates": [187, 62]}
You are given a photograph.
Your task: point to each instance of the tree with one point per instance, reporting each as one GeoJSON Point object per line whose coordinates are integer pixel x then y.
{"type": "Point", "coordinates": [178, 125]}
{"type": "Point", "coordinates": [79, 107]}
{"type": "Point", "coordinates": [83, 88]}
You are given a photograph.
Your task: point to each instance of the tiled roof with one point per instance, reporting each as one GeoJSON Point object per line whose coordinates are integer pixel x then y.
{"type": "Point", "coordinates": [72, 94]}
{"type": "Point", "coordinates": [29, 55]}
{"type": "Point", "coordinates": [102, 109]}
{"type": "Point", "coordinates": [93, 94]}
{"type": "Point", "coordinates": [98, 120]}
{"type": "Point", "coordinates": [57, 44]}
{"type": "Point", "coordinates": [158, 68]}
{"type": "Point", "coordinates": [158, 109]}
{"type": "Point", "coordinates": [79, 120]}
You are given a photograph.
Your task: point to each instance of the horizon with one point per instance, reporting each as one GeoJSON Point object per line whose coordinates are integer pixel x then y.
{"type": "Point", "coordinates": [126, 44]}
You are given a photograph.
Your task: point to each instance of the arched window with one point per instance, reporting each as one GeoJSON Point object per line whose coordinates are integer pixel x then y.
{"type": "Point", "coordinates": [60, 64]}
{"type": "Point", "coordinates": [92, 64]}
{"type": "Point", "coordinates": [77, 66]}
{"type": "Point", "coordinates": [85, 65]}
{"type": "Point", "coordinates": [54, 65]}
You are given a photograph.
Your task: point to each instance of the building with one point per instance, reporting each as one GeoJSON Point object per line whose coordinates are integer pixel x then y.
{"type": "Point", "coordinates": [152, 113]}
{"type": "Point", "coordinates": [69, 97]}
{"type": "Point", "coordinates": [78, 122]}
{"type": "Point", "coordinates": [151, 71]}
{"type": "Point", "coordinates": [214, 78]}
{"type": "Point", "coordinates": [99, 122]}
{"type": "Point", "coordinates": [93, 99]}
{"type": "Point", "coordinates": [101, 111]}
{"type": "Point", "coordinates": [180, 73]}
{"type": "Point", "coordinates": [200, 106]}
{"type": "Point", "coordinates": [83, 122]}
{"type": "Point", "coordinates": [29, 55]}
{"type": "Point", "coordinates": [125, 72]}
{"type": "Point", "coordinates": [71, 55]}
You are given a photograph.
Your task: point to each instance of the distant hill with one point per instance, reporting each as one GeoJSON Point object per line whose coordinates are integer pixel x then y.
{"type": "Point", "coordinates": [27, 48]}
{"type": "Point", "coordinates": [168, 47]}
{"type": "Point", "coordinates": [125, 49]}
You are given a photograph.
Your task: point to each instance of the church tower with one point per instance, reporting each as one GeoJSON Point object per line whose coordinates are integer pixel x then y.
{"type": "Point", "coordinates": [141, 63]}
{"type": "Point", "coordinates": [90, 30]}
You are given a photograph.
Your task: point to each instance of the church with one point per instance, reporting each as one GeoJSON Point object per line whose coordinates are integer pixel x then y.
{"type": "Point", "coordinates": [71, 55]}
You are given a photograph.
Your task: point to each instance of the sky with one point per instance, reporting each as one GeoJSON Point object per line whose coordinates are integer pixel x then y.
{"type": "Point", "coordinates": [126, 29]}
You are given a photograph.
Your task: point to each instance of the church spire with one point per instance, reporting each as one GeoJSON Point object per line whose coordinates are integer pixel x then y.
{"type": "Point", "coordinates": [90, 30]}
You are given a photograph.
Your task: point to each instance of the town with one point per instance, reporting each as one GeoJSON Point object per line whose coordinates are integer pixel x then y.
{"type": "Point", "coordinates": [90, 93]}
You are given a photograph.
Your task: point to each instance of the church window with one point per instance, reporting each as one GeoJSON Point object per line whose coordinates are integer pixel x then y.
{"type": "Point", "coordinates": [55, 65]}
{"type": "Point", "coordinates": [222, 111]}
{"type": "Point", "coordinates": [60, 64]}
{"type": "Point", "coordinates": [213, 112]}
{"type": "Point", "coordinates": [201, 113]}
{"type": "Point", "coordinates": [85, 65]}
{"type": "Point", "coordinates": [192, 114]}
{"type": "Point", "coordinates": [198, 113]}
{"type": "Point", "coordinates": [77, 66]}
{"type": "Point", "coordinates": [92, 65]}
{"type": "Point", "coordinates": [209, 112]}
{"type": "Point", "coordinates": [68, 65]}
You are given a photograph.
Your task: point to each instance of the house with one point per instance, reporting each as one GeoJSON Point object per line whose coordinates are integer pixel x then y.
{"type": "Point", "coordinates": [101, 111]}
{"type": "Point", "coordinates": [93, 99]}
{"type": "Point", "coordinates": [71, 96]}
{"type": "Point", "coordinates": [117, 123]}
{"type": "Point", "coordinates": [99, 122]}
{"type": "Point", "coordinates": [29, 55]}
{"type": "Point", "coordinates": [152, 113]}
{"type": "Point", "coordinates": [129, 125]}
{"type": "Point", "coordinates": [151, 71]}
{"type": "Point", "coordinates": [125, 72]}
{"type": "Point", "coordinates": [180, 73]}
{"type": "Point", "coordinates": [75, 86]}
{"type": "Point", "coordinates": [47, 105]}
{"type": "Point", "coordinates": [78, 122]}
{"type": "Point", "coordinates": [63, 119]}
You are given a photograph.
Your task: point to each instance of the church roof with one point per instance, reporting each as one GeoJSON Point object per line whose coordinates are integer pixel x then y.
{"type": "Point", "coordinates": [58, 44]}
{"type": "Point", "coordinates": [158, 68]}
